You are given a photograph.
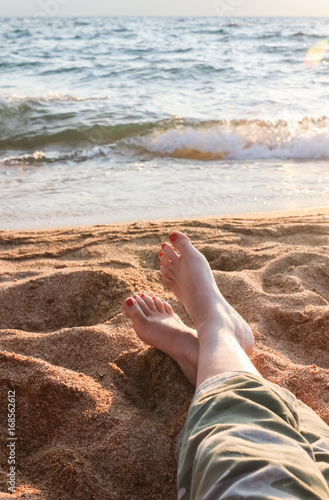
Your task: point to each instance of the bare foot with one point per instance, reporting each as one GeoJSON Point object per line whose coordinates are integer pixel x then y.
{"type": "Point", "coordinates": [157, 325]}
{"type": "Point", "coordinates": [187, 273]}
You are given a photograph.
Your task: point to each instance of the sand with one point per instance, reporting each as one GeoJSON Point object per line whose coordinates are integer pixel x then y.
{"type": "Point", "coordinates": [97, 411]}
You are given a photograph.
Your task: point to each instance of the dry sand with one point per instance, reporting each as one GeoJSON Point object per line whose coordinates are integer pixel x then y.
{"type": "Point", "coordinates": [98, 412]}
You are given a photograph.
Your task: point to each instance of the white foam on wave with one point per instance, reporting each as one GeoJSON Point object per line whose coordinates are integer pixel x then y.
{"type": "Point", "coordinates": [11, 100]}
{"type": "Point", "coordinates": [24, 159]}
{"type": "Point", "coordinates": [94, 152]}
{"type": "Point", "coordinates": [39, 157]}
{"type": "Point", "coordinates": [244, 139]}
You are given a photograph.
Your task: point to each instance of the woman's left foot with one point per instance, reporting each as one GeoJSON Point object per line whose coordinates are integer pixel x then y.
{"type": "Point", "coordinates": [157, 325]}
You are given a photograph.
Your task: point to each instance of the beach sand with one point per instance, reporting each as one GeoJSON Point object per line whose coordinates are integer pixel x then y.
{"type": "Point", "coordinates": [97, 411]}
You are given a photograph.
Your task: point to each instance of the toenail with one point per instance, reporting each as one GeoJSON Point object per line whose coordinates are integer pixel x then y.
{"type": "Point", "coordinates": [160, 254]}
{"type": "Point", "coordinates": [153, 298]}
{"type": "Point", "coordinates": [130, 302]}
{"type": "Point", "coordinates": [135, 296]}
{"type": "Point", "coordinates": [160, 263]}
{"type": "Point", "coordinates": [173, 237]}
{"type": "Point", "coordinates": [163, 245]}
{"type": "Point", "coordinates": [142, 295]}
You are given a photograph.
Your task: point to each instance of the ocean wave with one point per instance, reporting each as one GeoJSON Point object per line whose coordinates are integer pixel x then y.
{"type": "Point", "coordinates": [14, 100]}
{"type": "Point", "coordinates": [235, 24]}
{"type": "Point", "coordinates": [38, 158]}
{"type": "Point", "coordinates": [78, 136]}
{"type": "Point", "coordinates": [213, 31]}
{"type": "Point", "coordinates": [243, 139]}
{"type": "Point", "coordinates": [177, 138]}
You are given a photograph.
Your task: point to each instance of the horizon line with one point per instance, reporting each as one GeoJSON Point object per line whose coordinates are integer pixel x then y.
{"type": "Point", "coordinates": [162, 15]}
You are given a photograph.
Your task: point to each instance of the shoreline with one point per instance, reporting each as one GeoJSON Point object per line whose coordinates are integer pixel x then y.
{"type": "Point", "coordinates": [323, 210]}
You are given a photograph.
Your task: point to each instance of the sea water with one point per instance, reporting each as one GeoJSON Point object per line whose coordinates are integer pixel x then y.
{"type": "Point", "coordinates": [116, 119]}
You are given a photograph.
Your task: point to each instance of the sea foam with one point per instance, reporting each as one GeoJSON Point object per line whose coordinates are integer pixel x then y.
{"type": "Point", "coordinates": [244, 139]}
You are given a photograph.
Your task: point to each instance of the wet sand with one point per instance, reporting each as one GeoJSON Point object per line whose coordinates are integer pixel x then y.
{"type": "Point", "coordinates": [97, 411]}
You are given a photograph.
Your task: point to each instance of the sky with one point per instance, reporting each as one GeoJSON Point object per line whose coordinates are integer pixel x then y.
{"type": "Point", "coordinates": [51, 8]}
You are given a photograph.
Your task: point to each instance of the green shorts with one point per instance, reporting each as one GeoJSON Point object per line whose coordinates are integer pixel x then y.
{"type": "Point", "coordinates": [247, 438]}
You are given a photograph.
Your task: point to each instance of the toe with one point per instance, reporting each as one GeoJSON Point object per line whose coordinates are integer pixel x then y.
{"type": "Point", "coordinates": [166, 265]}
{"type": "Point", "coordinates": [144, 307]}
{"type": "Point", "coordinates": [158, 304]}
{"type": "Point", "coordinates": [167, 273]}
{"type": "Point", "coordinates": [167, 281]}
{"type": "Point", "coordinates": [180, 242]}
{"type": "Point", "coordinates": [168, 254]}
{"type": "Point", "coordinates": [149, 302]}
{"type": "Point", "coordinates": [132, 309]}
{"type": "Point", "coordinates": [167, 308]}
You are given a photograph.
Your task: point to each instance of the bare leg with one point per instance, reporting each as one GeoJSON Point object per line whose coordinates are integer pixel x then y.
{"type": "Point", "coordinates": [225, 339]}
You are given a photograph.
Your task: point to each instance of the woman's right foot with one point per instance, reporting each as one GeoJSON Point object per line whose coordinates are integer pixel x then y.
{"type": "Point", "coordinates": [187, 273]}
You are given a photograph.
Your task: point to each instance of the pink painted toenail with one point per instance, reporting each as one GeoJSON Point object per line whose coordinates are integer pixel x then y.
{"type": "Point", "coordinates": [153, 298]}
{"type": "Point", "coordinates": [130, 302]}
{"type": "Point", "coordinates": [163, 245]}
{"type": "Point", "coordinates": [160, 254]}
{"type": "Point", "coordinates": [173, 237]}
{"type": "Point", "coordinates": [135, 296]}
{"type": "Point", "coordinates": [142, 295]}
{"type": "Point", "coordinates": [160, 263]}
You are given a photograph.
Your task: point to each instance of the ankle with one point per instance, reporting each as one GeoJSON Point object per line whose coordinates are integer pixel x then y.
{"type": "Point", "coordinates": [208, 312]}
{"type": "Point", "coordinates": [217, 333]}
